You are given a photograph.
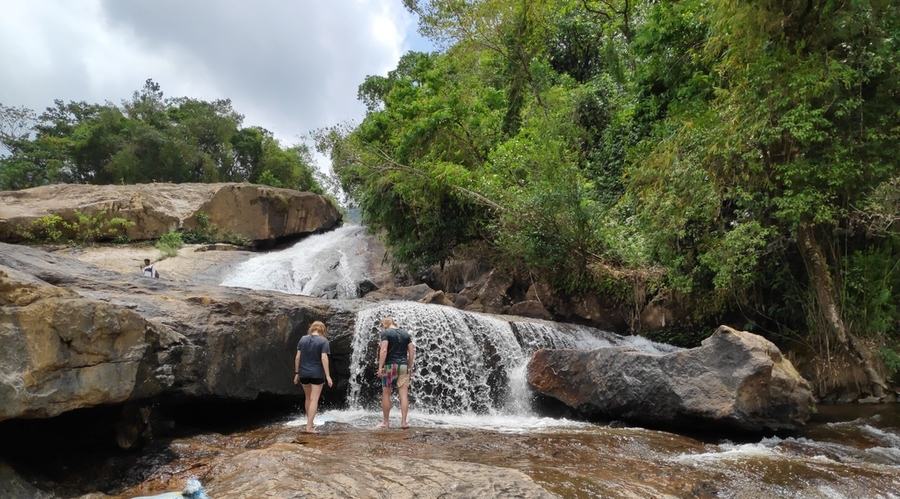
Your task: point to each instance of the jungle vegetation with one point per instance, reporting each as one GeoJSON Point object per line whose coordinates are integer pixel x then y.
{"type": "Point", "coordinates": [738, 157]}
{"type": "Point", "coordinates": [741, 155]}
{"type": "Point", "coordinates": [149, 138]}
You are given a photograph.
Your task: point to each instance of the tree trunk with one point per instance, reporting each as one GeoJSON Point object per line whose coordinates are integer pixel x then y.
{"type": "Point", "coordinates": [828, 308]}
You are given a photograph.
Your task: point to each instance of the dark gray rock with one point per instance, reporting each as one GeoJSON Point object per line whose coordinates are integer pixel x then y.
{"type": "Point", "coordinates": [734, 381]}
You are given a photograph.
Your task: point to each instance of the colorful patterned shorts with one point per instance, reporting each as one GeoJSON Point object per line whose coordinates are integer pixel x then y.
{"type": "Point", "coordinates": [395, 375]}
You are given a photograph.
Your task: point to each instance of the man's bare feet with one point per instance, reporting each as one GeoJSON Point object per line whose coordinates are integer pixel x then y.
{"type": "Point", "coordinates": [404, 427]}
{"type": "Point", "coordinates": [310, 430]}
{"type": "Point", "coordinates": [383, 425]}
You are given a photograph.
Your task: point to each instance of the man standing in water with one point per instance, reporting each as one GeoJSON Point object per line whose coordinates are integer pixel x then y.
{"type": "Point", "coordinates": [395, 363]}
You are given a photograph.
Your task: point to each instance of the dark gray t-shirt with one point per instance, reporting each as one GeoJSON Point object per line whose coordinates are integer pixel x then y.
{"type": "Point", "coordinates": [311, 349]}
{"type": "Point", "coordinates": [398, 341]}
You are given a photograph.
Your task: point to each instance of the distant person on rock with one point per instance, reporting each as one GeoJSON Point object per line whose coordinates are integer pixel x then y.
{"type": "Point", "coordinates": [311, 370]}
{"type": "Point", "coordinates": [395, 365]}
{"type": "Point", "coordinates": [149, 271]}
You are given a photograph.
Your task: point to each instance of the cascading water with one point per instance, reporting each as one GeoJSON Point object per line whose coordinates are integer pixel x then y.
{"type": "Point", "coordinates": [467, 362]}
{"type": "Point", "coordinates": [328, 265]}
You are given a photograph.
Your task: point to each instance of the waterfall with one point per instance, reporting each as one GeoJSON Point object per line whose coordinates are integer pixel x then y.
{"type": "Point", "coordinates": [466, 362]}
{"type": "Point", "coordinates": [328, 265]}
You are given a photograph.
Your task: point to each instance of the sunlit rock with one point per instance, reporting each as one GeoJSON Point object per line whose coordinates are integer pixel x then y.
{"type": "Point", "coordinates": [286, 471]}
{"type": "Point", "coordinates": [97, 337]}
{"type": "Point", "coordinates": [734, 381]}
{"type": "Point", "coordinates": [258, 212]}
{"type": "Point", "coordinates": [60, 351]}
{"type": "Point", "coordinates": [437, 298]}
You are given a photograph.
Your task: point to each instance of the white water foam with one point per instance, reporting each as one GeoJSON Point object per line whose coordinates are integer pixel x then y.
{"type": "Point", "coordinates": [328, 265]}
{"type": "Point", "coordinates": [368, 419]}
{"type": "Point", "coordinates": [729, 452]}
{"type": "Point", "coordinates": [463, 361]}
{"type": "Point", "coordinates": [467, 363]}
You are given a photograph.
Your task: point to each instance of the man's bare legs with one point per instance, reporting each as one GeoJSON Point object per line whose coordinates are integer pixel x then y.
{"type": "Point", "coordinates": [312, 393]}
{"type": "Point", "coordinates": [385, 406]}
{"type": "Point", "coordinates": [404, 406]}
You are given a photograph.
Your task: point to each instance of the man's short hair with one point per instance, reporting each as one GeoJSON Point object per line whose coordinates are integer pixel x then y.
{"type": "Point", "coordinates": [387, 322]}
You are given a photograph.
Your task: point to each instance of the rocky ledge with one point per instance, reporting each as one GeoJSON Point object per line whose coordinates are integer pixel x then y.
{"type": "Point", "coordinates": [260, 213]}
{"type": "Point", "coordinates": [74, 336]}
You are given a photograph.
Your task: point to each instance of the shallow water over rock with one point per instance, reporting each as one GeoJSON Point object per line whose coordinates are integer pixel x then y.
{"type": "Point", "coordinates": [846, 452]}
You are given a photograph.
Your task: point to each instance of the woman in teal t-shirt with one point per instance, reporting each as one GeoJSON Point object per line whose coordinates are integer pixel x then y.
{"type": "Point", "coordinates": [311, 369]}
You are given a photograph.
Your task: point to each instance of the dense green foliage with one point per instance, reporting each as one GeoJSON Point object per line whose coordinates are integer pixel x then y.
{"type": "Point", "coordinates": [746, 149]}
{"type": "Point", "coordinates": [147, 139]}
{"type": "Point", "coordinates": [169, 244]}
{"type": "Point", "coordinates": [84, 229]}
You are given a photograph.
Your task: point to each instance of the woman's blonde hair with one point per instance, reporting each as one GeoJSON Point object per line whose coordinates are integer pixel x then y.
{"type": "Point", "coordinates": [318, 327]}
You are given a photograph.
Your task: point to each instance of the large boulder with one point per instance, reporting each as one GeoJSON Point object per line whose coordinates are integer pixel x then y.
{"type": "Point", "coordinates": [734, 381]}
{"type": "Point", "coordinates": [261, 213]}
{"type": "Point", "coordinates": [73, 335]}
{"type": "Point", "coordinates": [57, 349]}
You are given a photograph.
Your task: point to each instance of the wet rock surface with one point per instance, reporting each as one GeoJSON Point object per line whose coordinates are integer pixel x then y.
{"type": "Point", "coordinates": [835, 457]}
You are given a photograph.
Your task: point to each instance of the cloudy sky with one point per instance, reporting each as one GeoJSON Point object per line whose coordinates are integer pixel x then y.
{"type": "Point", "coordinates": [290, 66]}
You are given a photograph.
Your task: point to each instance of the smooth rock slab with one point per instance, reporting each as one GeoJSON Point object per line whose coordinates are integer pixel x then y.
{"type": "Point", "coordinates": [282, 471]}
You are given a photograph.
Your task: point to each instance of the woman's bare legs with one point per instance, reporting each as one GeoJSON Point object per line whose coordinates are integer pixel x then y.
{"type": "Point", "coordinates": [312, 393]}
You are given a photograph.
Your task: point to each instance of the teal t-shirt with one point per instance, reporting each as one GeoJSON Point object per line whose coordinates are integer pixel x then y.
{"type": "Point", "coordinates": [398, 343]}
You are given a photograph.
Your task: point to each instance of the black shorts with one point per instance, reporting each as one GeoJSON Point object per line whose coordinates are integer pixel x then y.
{"type": "Point", "coordinates": [312, 381]}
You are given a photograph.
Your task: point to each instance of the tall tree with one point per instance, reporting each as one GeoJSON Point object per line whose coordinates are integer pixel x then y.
{"type": "Point", "coordinates": [796, 135]}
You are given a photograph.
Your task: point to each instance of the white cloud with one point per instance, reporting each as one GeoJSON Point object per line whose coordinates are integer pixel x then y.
{"type": "Point", "coordinates": [290, 66]}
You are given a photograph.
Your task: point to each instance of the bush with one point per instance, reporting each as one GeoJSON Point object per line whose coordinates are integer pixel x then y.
{"type": "Point", "coordinates": [237, 239]}
{"type": "Point", "coordinates": [88, 229]}
{"type": "Point", "coordinates": [169, 244]}
{"type": "Point", "coordinates": [204, 233]}
{"type": "Point", "coordinates": [85, 229]}
{"type": "Point", "coordinates": [45, 229]}
{"type": "Point", "coordinates": [890, 358]}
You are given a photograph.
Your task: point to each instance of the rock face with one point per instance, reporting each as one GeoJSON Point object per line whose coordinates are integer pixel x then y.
{"type": "Point", "coordinates": [734, 381]}
{"type": "Point", "coordinates": [258, 212]}
{"type": "Point", "coordinates": [73, 335]}
{"type": "Point", "coordinates": [57, 347]}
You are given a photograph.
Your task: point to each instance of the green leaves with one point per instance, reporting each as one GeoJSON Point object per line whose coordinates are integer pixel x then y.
{"type": "Point", "coordinates": [147, 139]}
{"type": "Point", "coordinates": [581, 139]}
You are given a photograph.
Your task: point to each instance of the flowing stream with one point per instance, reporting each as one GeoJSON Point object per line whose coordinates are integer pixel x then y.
{"type": "Point", "coordinates": [325, 265]}
{"type": "Point", "coordinates": [468, 363]}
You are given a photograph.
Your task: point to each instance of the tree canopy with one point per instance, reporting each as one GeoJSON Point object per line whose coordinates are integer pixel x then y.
{"type": "Point", "coordinates": [148, 138]}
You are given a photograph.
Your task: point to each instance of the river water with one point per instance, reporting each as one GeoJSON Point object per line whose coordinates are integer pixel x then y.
{"type": "Point", "coordinates": [324, 265]}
